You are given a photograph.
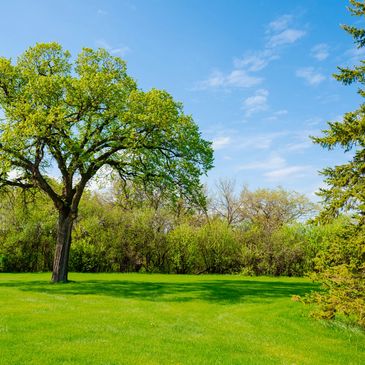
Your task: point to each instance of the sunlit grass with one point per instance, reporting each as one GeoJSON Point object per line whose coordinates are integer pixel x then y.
{"type": "Point", "coordinates": [166, 319]}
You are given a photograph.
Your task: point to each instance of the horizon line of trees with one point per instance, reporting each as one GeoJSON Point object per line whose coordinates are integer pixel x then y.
{"type": "Point", "coordinates": [261, 232]}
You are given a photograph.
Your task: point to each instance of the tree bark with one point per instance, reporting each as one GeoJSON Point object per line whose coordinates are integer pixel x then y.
{"type": "Point", "coordinates": [62, 252]}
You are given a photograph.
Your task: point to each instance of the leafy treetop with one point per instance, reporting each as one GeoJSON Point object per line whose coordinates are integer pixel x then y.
{"type": "Point", "coordinates": [88, 113]}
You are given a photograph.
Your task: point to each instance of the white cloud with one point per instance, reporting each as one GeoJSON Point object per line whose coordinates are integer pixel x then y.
{"type": "Point", "coordinates": [119, 51]}
{"type": "Point", "coordinates": [276, 168]}
{"type": "Point", "coordinates": [320, 51]}
{"type": "Point", "coordinates": [280, 23]}
{"type": "Point", "coordinates": [261, 141]}
{"type": "Point", "coordinates": [278, 34]}
{"type": "Point", "coordinates": [240, 78]}
{"type": "Point", "coordinates": [281, 112]}
{"type": "Point", "coordinates": [276, 115]}
{"type": "Point", "coordinates": [220, 142]}
{"type": "Point", "coordinates": [274, 161]}
{"type": "Point", "coordinates": [287, 172]}
{"type": "Point", "coordinates": [256, 103]}
{"type": "Point", "coordinates": [235, 79]}
{"type": "Point", "coordinates": [255, 61]}
{"type": "Point", "coordinates": [328, 98]}
{"type": "Point", "coordinates": [101, 182]}
{"type": "Point", "coordinates": [287, 36]}
{"type": "Point", "coordinates": [234, 140]}
{"type": "Point", "coordinates": [311, 76]}
{"type": "Point", "coordinates": [300, 146]}
{"type": "Point", "coordinates": [354, 56]}
{"type": "Point", "coordinates": [101, 12]}
{"type": "Point", "coordinates": [313, 121]}
{"type": "Point", "coordinates": [14, 174]}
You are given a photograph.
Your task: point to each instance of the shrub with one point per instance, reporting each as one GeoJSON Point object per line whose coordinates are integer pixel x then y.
{"type": "Point", "coordinates": [183, 250]}
{"type": "Point", "coordinates": [340, 267]}
{"type": "Point", "coordinates": [219, 248]}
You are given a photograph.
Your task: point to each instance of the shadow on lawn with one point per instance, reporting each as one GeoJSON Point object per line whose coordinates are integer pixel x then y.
{"type": "Point", "coordinates": [219, 291]}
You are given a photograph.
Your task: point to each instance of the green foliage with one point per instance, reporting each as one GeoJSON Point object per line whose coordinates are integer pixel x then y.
{"type": "Point", "coordinates": [284, 251]}
{"type": "Point", "coordinates": [340, 264]}
{"type": "Point", "coordinates": [345, 189]}
{"type": "Point", "coordinates": [340, 267]}
{"type": "Point", "coordinates": [85, 114]}
{"type": "Point", "coordinates": [218, 247]}
{"type": "Point", "coordinates": [27, 232]}
{"type": "Point", "coordinates": [112, 234]}
{"type": "Point", "coordinates": [273, 208]}
{"type": "Point", "coordinates": [114, 239]}
{"type": "Point", "coordinates": [183, 249]}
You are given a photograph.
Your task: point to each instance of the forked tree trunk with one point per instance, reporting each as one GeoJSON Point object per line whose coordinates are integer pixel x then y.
{"type": "Point", "coordinates": [62, 252]}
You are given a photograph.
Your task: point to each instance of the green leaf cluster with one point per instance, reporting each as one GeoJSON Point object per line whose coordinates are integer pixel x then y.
{"type": "Point", "coordinates": [79, 115]}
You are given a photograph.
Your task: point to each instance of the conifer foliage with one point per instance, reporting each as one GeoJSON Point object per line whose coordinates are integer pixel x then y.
{"type": "Point", "coordinates": [345, 184]}
{"type": "Point", "coordinates": [340, 266]}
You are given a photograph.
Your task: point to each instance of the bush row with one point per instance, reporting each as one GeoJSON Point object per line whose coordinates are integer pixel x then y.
{"type": "Point", "coordinates": [107, 238]}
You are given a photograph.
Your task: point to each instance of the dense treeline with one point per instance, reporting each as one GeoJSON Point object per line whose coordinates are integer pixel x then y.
{"type": "Point", "coordinates": [260, 232]}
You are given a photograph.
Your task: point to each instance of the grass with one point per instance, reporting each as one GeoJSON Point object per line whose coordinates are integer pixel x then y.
{"type": "Point", "coordinates": [166, 319]}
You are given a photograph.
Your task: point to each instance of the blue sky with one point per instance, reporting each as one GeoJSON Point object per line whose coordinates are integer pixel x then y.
{"type": "Point", "coordinates": [255, 75]}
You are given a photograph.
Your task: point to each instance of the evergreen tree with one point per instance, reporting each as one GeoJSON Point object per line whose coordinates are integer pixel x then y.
{"type": "Point", "coordinates": [345, 188]}
{"type": "Point", "coordinates": [340, 265]}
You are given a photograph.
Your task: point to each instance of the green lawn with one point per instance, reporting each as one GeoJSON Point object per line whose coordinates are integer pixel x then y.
{"type": "Point", "coordinates": [166, 319]}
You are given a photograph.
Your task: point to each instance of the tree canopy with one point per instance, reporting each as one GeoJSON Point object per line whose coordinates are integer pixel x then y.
{"type": "Point", "coordinates": [79, 115]}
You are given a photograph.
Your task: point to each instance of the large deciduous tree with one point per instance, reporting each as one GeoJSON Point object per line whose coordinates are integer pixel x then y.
{"type": "Point", "coordinates": [80, 115]}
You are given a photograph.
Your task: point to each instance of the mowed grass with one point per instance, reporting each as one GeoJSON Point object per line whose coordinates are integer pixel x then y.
{"type": "Point", "coordinates": [166, 319]}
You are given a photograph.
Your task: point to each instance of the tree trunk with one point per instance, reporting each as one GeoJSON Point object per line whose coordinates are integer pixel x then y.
{"type": "Point", "coordinates": [60, 261]}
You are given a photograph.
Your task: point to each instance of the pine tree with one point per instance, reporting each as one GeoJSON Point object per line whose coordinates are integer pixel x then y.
{"type": "Point", "coordinates": [345, 190]}
{"type": "Point", "coordinates": [340, 264]}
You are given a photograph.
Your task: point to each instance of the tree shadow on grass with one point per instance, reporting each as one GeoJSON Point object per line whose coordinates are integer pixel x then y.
{"type": "Point", "coordinates": [215, 291]}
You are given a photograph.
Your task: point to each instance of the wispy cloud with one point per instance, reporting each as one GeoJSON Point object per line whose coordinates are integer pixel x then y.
{"type": "Point", "coordinates": [118, 51]}
{"type": "Point", "coordinates": [273, 161]}
{"type": "Point", "coordinates": [260, 141]}
{"type": "Point", "coordinates": [280, 33]}
{"type": "Point", "coordinates": [101, 12]}
{"type": "Point", "coordinates": [234, 140]}
{"type": "Point", "coordinates": [328, 98]}
{"type": "Point", "coordinates": [220, 142]}
{"type": "Point", "coordinates": [354, 56]}
{"type": "Point", "coordinates": [276, 168]}
{"type": "Point", "coordinates": [310, 75]}
{"type": "Point", "coordinates": [300, 140]}
{"type": "Point", "coordinates": [313, 121]}
{"type": "Point", "coordinates": [287, 172]}
{"type": "Point", "coordinates": [299, 146]}
{"type": "Point", "coordinates": [287, 36]}
{"type": "Point", "coordinates": [235, 79]}
{"type": "Point", "coordinates": [320, 51]}
{"type": "Point", "coordinates": [255, 61]}
{"type": "Point", "coordinates": [256, 103]}
{"type": "Point", "coordinates": [280, 23]}
{"type": "Point", "coordinates": [276, 115]}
